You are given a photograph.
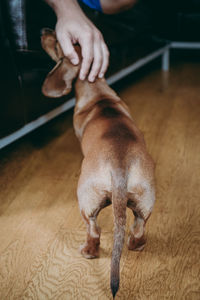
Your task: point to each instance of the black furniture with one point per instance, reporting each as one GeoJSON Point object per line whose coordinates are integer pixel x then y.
{"type": "Point", "coordinates": [134, 38]}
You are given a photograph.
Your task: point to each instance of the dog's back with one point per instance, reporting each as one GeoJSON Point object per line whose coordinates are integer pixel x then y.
{"type": "Point", "coordinates": [115, 155]}
{"type": "Point", "coordinates": [116, 167]}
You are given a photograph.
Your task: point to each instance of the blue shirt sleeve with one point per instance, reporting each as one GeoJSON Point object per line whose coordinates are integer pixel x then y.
{"type": "Point", "coordinates": [94, 4]}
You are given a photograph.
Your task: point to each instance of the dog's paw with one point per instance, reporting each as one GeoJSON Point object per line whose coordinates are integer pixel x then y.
{"type": "Point", "coordinates": [136, 244]}
{"type": "Point", "coordinates": [89, 252]}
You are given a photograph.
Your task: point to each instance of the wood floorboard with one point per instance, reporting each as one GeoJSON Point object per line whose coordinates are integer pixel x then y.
{"type": "Point", "coordinates": [40, 224]}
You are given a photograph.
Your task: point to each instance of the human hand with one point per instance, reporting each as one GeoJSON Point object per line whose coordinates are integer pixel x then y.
{"type": "Point", "coordinates": [74, 27]}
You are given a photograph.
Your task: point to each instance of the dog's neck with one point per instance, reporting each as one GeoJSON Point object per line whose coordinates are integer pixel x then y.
{"type": "Point", "coordinates": [87, 92]}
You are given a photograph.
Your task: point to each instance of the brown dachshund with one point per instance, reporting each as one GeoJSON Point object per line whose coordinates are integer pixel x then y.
{"type": "Point", "coordinates": [116, 167]}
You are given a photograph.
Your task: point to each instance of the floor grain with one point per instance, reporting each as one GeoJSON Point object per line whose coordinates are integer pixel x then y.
{"type": "Point", "coordinates": [41, 228]}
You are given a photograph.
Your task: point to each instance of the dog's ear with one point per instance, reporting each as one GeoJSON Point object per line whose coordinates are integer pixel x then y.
{"type": "Point", "coordinates": [59, 81]}
{"type": "Point", "coordinates": [50, 44]}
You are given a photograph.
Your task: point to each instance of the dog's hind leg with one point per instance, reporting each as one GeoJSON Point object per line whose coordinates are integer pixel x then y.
{"type": "Point", "coordinates": [136, 240]}
{"type": "Point", "coordinates": [141, 205]}
{"type": "Point", "coordinates": [90, 249]}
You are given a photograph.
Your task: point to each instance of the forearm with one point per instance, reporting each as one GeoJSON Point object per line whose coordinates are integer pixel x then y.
{"type": "Point", "coordinates": [116, 6]}
{"type": "Point", "coordinates": [65, 8]}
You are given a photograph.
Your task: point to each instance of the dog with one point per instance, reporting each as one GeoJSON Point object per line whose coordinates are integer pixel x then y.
{"type": "Point", "coordinates": [116, 167]}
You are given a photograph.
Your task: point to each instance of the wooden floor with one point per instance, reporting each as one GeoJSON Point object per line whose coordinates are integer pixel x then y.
{"type": "Point", "coordinates": [40, 225]}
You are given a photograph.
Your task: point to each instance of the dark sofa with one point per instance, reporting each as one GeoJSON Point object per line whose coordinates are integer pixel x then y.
{"type": "Point", "coordinates": [134, 38]}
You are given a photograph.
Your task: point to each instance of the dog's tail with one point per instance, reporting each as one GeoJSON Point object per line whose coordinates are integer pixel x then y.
{"type": "Point", "coordinates": [119, 203]}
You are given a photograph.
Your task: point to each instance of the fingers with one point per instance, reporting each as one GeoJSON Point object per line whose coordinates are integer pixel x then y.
{"type": "Point", "coordinates": [86, 44]}
{"type": "Point", "coordinates": [68, 49]}
{"type": "Point", "coordinates": [105, 63]}
{"type": "Point", "coordinates": [97, 62]}
{"type": "Point", "coordinates": [95, 57]}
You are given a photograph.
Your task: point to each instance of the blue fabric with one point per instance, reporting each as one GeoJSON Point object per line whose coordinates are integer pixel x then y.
{"type": "Point", "coordinates": [94, 4]}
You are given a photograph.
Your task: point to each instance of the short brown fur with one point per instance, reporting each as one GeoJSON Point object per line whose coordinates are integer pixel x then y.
{"type": "Point", "coordinates": [116, 167]}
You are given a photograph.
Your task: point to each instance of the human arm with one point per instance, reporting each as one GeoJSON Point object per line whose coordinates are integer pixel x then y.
{"type": "Point", "coordinates": [74, 27]}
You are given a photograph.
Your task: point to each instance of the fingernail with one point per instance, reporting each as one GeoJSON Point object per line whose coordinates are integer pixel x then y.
{"type": "Point", "coordinates": [82, 77]}
{"type": "Point", "coordinates": [91, 79]}
{"type": "Point", "coordinates": [74, 61]}
{"type": "Point", "coordinates": [101, 75]}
